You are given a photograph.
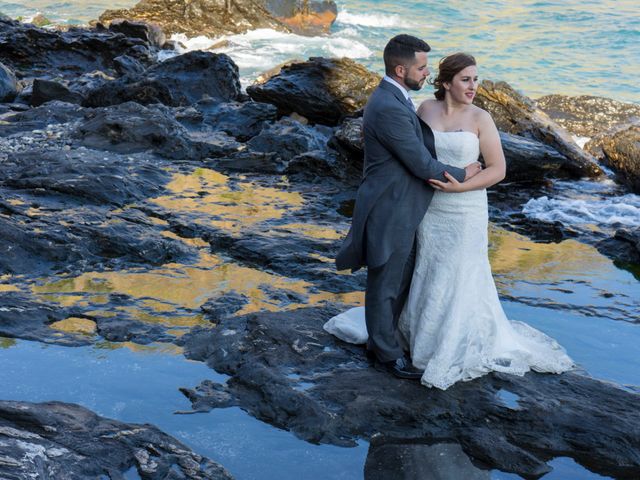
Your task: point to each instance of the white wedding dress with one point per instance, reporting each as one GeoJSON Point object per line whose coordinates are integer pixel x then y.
{"type": "Point", "coordinates": [453, 320]}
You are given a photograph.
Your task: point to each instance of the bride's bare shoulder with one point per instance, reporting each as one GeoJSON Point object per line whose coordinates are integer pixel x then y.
{"type": "Point", "coordinates": [428, 105]}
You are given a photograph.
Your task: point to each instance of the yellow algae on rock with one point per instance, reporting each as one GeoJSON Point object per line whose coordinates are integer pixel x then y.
{"type": "Point", "coordinates": [83, 326]}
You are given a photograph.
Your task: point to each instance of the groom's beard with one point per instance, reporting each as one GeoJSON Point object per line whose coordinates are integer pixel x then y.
{"type": "Point", "coordinates": [413, 84]}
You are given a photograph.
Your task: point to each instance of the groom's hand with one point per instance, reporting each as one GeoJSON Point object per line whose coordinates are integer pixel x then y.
{"type": "Point", "coordinates": [472, 170]}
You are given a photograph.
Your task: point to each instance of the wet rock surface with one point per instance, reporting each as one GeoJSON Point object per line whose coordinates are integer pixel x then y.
{"type": "Point", "coordinates": [33, 52]}
{"type": "Point", "coordinates": [287, 371]}
{"type": "Point", "coordinates": [518, 115]}
{"type": "Point", "coordinates": [323, 90]}
{"type": "Point", "coordinates": [586, 115]}
{"type": "Point", "coordinates": [63, 440]}
{"type": "Point", "coordinates": [622, 153]}
{"type": "Point", "coordinates": [8, 84]}
{"type": "Point", "coordinates": [200, 17]}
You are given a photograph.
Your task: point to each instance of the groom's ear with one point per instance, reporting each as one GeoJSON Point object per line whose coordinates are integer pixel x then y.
{"type": "Point", "coordinates": [400, 70]}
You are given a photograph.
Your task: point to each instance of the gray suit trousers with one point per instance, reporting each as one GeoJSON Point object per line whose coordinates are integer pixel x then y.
{"type": "Point", "coordinates": [387, 291]}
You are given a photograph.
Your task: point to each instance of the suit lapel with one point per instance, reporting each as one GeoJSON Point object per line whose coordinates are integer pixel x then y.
{"type": "Point", "coordinates": [395, 91]}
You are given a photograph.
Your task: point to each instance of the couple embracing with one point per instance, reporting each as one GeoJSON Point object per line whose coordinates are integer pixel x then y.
{"type": "Point", "coordinates": [420, 226]}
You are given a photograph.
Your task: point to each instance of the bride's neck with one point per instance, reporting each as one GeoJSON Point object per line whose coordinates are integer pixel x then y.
{"type": "Point", "coordinates": [452, 107]}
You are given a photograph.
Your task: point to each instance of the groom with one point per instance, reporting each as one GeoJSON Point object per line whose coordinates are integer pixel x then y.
{"type": "Point", "coordinates": [399, 158]}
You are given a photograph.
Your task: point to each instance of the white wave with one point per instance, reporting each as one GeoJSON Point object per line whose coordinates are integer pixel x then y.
{"type": "Point", "coordinates": [259, 50]}
{"type": "Point", "coordinates": [370, 19]}
{"type": "Point", "coordinates": [622, 211]}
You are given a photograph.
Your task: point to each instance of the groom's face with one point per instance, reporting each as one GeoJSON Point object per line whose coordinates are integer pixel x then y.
{"type": "Point", "coordinates": [417, 73]}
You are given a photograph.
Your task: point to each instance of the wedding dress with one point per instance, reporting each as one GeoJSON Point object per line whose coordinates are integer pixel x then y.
{"type": "Point", "coordinates": [453, 321]}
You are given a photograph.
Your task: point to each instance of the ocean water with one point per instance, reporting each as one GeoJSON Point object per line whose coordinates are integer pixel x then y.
{"type": "Point", "coordinates": [540, 47]}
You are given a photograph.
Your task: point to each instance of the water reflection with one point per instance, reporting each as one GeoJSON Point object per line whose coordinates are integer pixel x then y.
{"type": "Point", "coordinates": [213, 199]}
{"type": "Point", "coordinates": [407, 461]}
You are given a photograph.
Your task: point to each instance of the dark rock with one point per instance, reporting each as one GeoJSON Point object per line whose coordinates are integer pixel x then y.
{"type": "Point", "coordinates": [33, 52]}
{"type": "Point", "coordinates": [518, 115]}
{"type": "Point", "coordinates": [324, 163]}
{"type": "Point", "coordinates": [622, 153]}
{"type": "Point", "coordinates": [71, 227]}
{"type": "Point", "coordinates": [54, 112]}
{"type": "Point", "coordinates": [212, 18]}
{"type": "Point", "coordinates": [323, 90]}
{"type": "Point", "coordinates": [586, 115]}
{"type": "Point", "coordinates": [8, 84]}
{"type": "Point", "coordinates": [46, 90]}
{"type": "Point", "coordinates": [150, 33]}
{"type": "Point", "coordinates": [349, 139]}
{"type": "Point", "coordinates": [131, 127]}
{"type": "Point", "coordinates": [285, 370]}
{"type": "Point", "coordinates": [241, 120]}
{"type": "Point", "coordinates": [181, 80]}
{"type": "Point", "coordinates": [224, 306]}
{"type": "Point", "coordinates": [392, 458]}
{"type": "Point", "coordinates": [89, 176]}
{"type": "Point", "coordinates": [126, 65]}
{"type": "Point", "coordinates": [288, 139]}
{"type": "Point", "coordinates": [121, 330]}
{"type": "Point", "coordinates": [26, 318]}
{"type": "Point", "coordinates": [196, 75]}
{"type": "Point", "coordinates": [530, 160]}
{"type": "Point", "coordinates": [624, 246]}
{"type": "Point", "coordinates": [63, 440]}
{"type": "Point", "coordinates": [144, 92]}
{"type": "Point", "coordinates": [258, 162]}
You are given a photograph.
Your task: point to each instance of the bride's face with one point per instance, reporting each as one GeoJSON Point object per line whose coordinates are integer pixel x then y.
{"type": "Point", "coordinates": [462, 88]}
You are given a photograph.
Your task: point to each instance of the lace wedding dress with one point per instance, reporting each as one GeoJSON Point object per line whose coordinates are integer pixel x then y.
{"type": "Point", "coordinates": [453, 320]}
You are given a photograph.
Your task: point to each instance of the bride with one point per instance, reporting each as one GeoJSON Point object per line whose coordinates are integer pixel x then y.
{"type": "Point", "coordinates": [452, 320]}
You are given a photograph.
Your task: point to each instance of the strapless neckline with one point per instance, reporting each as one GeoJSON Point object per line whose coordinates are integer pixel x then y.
{"type": "Point", "coordinates": [457, 131]}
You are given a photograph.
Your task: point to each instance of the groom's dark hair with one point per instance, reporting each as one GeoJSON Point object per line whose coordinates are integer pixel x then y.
{"type": "Point", "coordinates": [401, 50]}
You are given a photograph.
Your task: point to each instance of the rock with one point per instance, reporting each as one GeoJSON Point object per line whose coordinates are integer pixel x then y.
{"type": "Point", "coordinates": [530, 160]}
{"type": "Point", "coordinates": [212, 18]}
{"type": "Point", "coordinates": [72, 225]}
{"type": "Point", "coordinates": [303, 16]}
{"type": "Point", "coordinates": [288, 139]}
{"type": "Point", "coordinates": [241, 120]}
{"type": "Point", "coordinates": [623, 247]}
{"type": "Point", "coordinates": [90, 176]}
{"type": "Point", "coordinates": [348, 138]}
{"type": "Point", "coordinates": [46, 90]}
{"type": "Point", "coordinates": [144, 92]}
{"type": "Point", "coordinates": [63, 440]}
{"type": "Point", "coordinates": [181, 80]}
{"type": "Point", "coordinates": [586, 115]}
{"type": "Point", "coordinates": [39, 20]}
{"type": "Point", "coordinates": [224, 306]}
{"type": "Point", "coordinates": [33, 52]}
{"type": "Point", "coordinates": [8, 84]}
{"type": "Point", "coordinates": [150, 33]}
{"type": "Point", "coordinates": [126, 65]}
{"type": "Point", "coordinates": [40, 117]}
{"type": "Point", "coordinates": [518, 115]}
{"type": "Point", "coordinates": [285, 370]}
{"type": "Point", "coordinates": [196, 75]}
{"type": "Point", "coordinates": [256, 162]}
{"type": "Point", "coordinates": [321, 89]}
{"type": "Point", "coordinates": [621, 150]}
{"type": "Point", "coordinates": [23, 317]}
{"type": "Point", "coordinates": [131, 127]}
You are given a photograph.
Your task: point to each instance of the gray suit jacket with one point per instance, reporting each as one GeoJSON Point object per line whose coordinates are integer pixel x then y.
{"type": "Point", "coordinates": [394, 195]}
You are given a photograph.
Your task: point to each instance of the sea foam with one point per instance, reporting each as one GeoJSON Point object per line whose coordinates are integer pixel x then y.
{"type": "Point", "coordinates": [613, 212]}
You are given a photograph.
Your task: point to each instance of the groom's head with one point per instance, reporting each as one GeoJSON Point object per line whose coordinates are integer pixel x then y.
{"type": "Point", "coordinates": [405, 60]}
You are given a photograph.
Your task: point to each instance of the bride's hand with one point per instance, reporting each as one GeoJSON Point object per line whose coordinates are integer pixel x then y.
{"type": "Point", "coordinates": [452, 186]}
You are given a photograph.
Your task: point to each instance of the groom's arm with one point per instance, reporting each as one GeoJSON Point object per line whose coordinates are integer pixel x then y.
{"type": "Point", "coordinates": [396, 132]}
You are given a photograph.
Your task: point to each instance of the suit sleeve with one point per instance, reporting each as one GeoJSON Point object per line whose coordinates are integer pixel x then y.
{"type": "Point", "coordinates": [396, 132]}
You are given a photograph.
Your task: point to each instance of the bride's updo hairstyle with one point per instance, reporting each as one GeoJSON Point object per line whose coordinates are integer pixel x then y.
{"type": "Point", "coordinates": [448, 68]}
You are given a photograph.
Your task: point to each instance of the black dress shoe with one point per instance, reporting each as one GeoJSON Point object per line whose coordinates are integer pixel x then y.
{"type": "Point", "coordinates": [402, 368]}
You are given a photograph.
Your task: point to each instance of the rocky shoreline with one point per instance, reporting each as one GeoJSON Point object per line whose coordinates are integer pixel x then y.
{"type": "Point", "coordinates": [114, 161]}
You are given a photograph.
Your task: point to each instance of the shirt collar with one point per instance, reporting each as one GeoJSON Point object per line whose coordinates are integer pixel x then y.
{"type": "Point", "coordinates": [393, 82]}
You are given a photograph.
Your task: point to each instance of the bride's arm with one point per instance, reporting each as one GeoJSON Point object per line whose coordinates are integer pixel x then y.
{"type": "Point", "coordinates": [491, 150]}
